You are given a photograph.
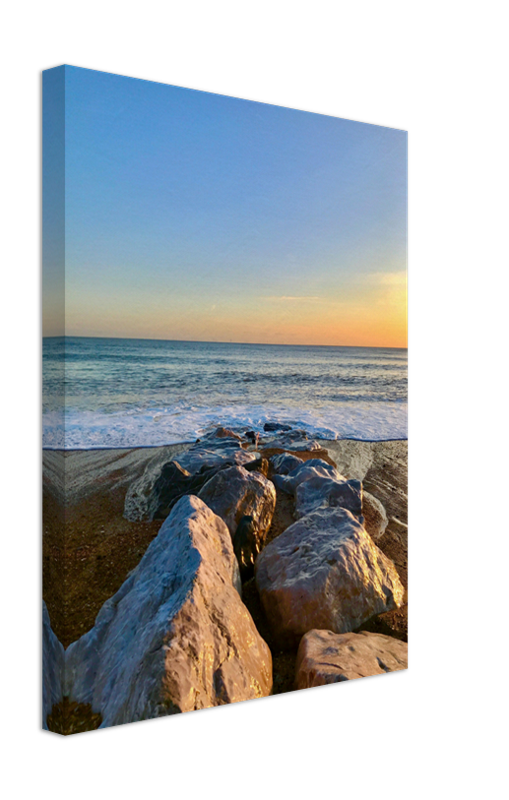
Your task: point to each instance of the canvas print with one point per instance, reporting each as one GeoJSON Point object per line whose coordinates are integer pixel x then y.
{"type": "Point", "coordinates": [224, 400]}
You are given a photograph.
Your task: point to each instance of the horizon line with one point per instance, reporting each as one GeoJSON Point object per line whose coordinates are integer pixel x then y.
{"type": "Point", "coordinates": [209, 341]}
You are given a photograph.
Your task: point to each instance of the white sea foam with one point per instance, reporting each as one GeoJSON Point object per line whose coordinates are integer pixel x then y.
{"type": "Point", "coordinates": [161, 426]}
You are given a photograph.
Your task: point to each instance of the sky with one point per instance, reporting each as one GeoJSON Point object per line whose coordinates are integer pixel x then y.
{"type": "Point", "coordinates": [190, 215]}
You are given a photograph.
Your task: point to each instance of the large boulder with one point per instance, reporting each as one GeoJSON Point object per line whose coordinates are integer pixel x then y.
{"type": "Point", "coordinates": [163, 482]}
{"type": "Point", "coordinates": [176, 636]}
{"type": "Point", "coordinates": [283, 463]}
{"type": "Point", "coordinates": [326, 657]}
{"type": "Point", "coordinates": [375, 516]}
{"type": "Point", "coordinates": [313, 468]}
{"type": "Point", "coordinates": [215, 453]}
{"type": "Point", "coordinates": [52, 667]}
{"type": "Point", "coordinates": [234, 493]}
{"type": "Point", "coordinates": [324, 572]}
{"type": "Point", "coordinates": [140, 490]}
{"type": "Point", "coordinates": [171, 485]}
{"type": "Point", "coordinates": [293, 440]}
{"type": "Point", "coordinates": [174, 482]}
{"type": "Point", "coordinates": [320, 492]}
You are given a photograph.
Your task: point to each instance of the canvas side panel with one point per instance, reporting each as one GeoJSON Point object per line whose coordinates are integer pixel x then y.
{"type": "Point", "coordinates": [53, 317]}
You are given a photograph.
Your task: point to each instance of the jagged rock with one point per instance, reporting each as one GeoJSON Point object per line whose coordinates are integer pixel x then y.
{"type": "Point", "coordinates": [375, 517]}
{"type": "Point", "coordinates": [283, 463]}
{"type": "Point", "coordinates": [324, 572]}
{"type": "Point", "coordinates": [176, 636]}
{"type": "Point", "coordinates": [234, 493]}
{"type": "Point", "coordinates": [320, 492]}
{"type": "Point", "coordinates": [163, 482]}
{"type": "Point", "coordinates": [225, 433]}
{"type": "Point", "coordinates": [173, 483]}
{"type": "Point", "coordinates": [213, 454]}
{"type": "Point", "coordinates": [276, 426]}
{"type": "Point", "coordinates": [140, 490]}
{"type": "Point", "coordinates": [327, 657]}
{"type": "Point", "coordinates": [293, 440]}
{"type": "Point", "coordinates": [52, 667]}
{"type": "Point", "coordinates": [317, 484]}
{"type": "Point", "coordinates": [313, 468]}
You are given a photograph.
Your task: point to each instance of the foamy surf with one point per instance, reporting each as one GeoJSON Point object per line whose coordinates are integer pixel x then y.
{"type": "Point", "coordinates": [83, 430]}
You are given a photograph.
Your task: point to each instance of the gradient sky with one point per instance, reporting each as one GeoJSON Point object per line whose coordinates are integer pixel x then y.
{"type": "Point", "coordinates": [191, 215]}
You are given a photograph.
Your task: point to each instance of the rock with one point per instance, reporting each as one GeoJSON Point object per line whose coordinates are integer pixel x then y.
{"type": "Point", "coordinates": [171, 485]}
{"type": "Point", "coordinates": [260, 465]}
{"type": "Point", "coordinates": [213, 442]}
{"type": "Point", "coordinates": [234, 493]}
{"type": "Point", "coordinates": [174, 482]}
{"type": "Point", "coordinates": [320, 492]}
{"type": "Point", "coordinates": [299, 447]}
{"type": "Point", "coordinates": [176, 636]}
{"type": "Point", "coordinates": [327, 657]}
{"type": "Point", "coordinates": [140, 490]}
{"type": "Point", "coordinates": [375, 518]}
{"type": "Point", "coordinates": [214, 454]}
{"type": "Point", "coordinates": [324, 572]}
{"type": "Point", "coordinates": [154, 494]}
{"type": "Point", "coordinates": [284, 463]}
{"type": "Point", "coordinates": [246, 546]}
{"type": "Point", "coordinates": [52, 667]}
{"type": "Point", "coordinates": [225, 433]}
{"type": "Point", "coordinates": [313, 468]}
{"type": "Point", "coordinates": [293, 440]}
{"type": "Point", "coordinates": [276, 426]}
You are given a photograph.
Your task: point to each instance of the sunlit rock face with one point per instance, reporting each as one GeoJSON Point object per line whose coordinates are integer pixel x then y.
{"type": "Point", "coordinates": [234, 493]}
{"type": "Point", "coordinates": [225, 433]}
{"type": "Point", "coordinates": [321, 492]}
{"type": "Point", "coordinates": [292, 440]}
{"type": "Point", "coordinates": [375, 516]}
{"type": "Point", "coordinates": [314, 468]}
{"type": "Point", "coordinates": [52, 667]}
{"type": "Point", "coordinates": [214, 453]}
{"type": "Point", "coordinates": [327, 657]}
{"type": "Point", "coordinates": [176, 636]}
{"type": "Point", "coordinates": [283, 463]}
{"type": "Point", "coordinates": [324, 572]}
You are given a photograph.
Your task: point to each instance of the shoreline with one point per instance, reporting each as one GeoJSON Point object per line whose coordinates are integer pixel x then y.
{"type": "Point", "coordinates": [103, 448]}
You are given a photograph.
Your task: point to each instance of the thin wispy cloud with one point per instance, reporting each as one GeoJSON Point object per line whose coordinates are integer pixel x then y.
{"type": "Point", "coordinates": [389, 278]}
{"type": "Point", "coordinates": [291, 298]}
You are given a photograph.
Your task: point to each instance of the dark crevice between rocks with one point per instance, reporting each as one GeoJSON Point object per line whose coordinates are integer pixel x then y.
{"type": "Point", "coordinates": [283, 661]}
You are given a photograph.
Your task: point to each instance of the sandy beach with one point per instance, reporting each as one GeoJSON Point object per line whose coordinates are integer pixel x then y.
{"type": "Point", "coordinates": [102, 547]}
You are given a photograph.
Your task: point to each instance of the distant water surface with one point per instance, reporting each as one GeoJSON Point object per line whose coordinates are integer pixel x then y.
{"type": "Point", "coordinates": [138, 393]}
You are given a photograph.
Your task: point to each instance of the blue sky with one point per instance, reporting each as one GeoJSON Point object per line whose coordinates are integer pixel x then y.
{"type": "Point", "coordinates": [191, 215]}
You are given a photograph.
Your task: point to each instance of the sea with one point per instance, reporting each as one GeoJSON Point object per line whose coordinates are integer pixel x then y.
{"type": "Point", "coordinates": [124, 393]}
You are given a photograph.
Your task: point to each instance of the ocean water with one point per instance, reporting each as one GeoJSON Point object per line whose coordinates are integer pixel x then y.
{"type": "Point", "coordinates": [139, 393]}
